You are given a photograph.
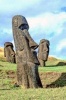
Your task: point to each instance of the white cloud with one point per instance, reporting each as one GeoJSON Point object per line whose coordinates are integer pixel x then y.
{"type": "Point", "coordinates": [61, 45]}
{"type": "Point", "coordinates": [30, 7]}
{"type": "Point", "coordinates": [47, 23]}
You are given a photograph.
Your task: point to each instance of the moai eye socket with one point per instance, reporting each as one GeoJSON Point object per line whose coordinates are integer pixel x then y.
{"type": "Point", "coordinates": [23, 26]}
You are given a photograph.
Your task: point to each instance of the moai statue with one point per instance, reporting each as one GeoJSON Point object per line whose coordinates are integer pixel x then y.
{"type": "Point", "coordinates": [43, 51]}
{"type": "Point", "coordinates": [27, 62]}
{"type": "Point", "coordinates": [9, 52]}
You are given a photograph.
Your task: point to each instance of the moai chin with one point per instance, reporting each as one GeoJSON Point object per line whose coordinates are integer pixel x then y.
{"type": "Point", "coordinates": [43, 51]}
{"type": "Point", "coordinates": [27, 62]}
{"type": "Point", "coordinates": [9, 52]}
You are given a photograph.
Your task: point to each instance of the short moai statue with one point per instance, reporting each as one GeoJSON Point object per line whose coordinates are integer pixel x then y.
{"type": "Point", "coordinates": [9, 53]}
{"type": "Point", "coordinates": [27, 62]}
{"type": "Point", "coordinates": [43, 51]}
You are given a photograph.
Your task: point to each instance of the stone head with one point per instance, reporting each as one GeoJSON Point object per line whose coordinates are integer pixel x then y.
{"type": "Point", "coordinates": [43, 49]}
{"type": "Point", "coordinates": [45, 43]}
{"type": "Point", "coordinates": [6, 44]}
{"type": "Point", "coordinates": [20, 22]}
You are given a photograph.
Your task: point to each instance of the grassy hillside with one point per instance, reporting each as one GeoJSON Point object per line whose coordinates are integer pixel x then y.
{"type": "Point", "coordinates": [52, 61]}
{"type": "Point", "coordinates": [54, 84]}
{"type": "Point", "coordinates": [53, 78]}
{"type": "Point", "coordinates": [48, 75]}
{"type": "Point", "coordinates": [1, 52]}
{"type": "Point", "coordinates": [34, 94]}
{"type": "Point", "coordinates": [2, 58]}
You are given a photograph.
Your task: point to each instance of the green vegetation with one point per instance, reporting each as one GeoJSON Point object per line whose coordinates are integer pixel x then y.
{"type": "Point", "coordinates": [2, 59]}
{"type": "Point", "coordinates": [10, 66]}
{"type": "Point", "coordinates": [7, 66]}
{"type": "Point", "coordinates": [34, 94]}
{"type": "Point", "coordinates": [53, 79]}
{"type": "Point", "coordinates": [53, 69]}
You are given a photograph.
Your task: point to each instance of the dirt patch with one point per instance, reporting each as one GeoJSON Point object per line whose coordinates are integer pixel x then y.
{"type": "Point", "coordinates": [11, 74]}
{"type": "Point", "coordinates": [49, 79]}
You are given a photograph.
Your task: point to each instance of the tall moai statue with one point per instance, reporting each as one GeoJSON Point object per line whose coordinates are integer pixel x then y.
{"type": "Point", "coordinates": [9, 52]}
{"type": "Point", "coordinates": [27, 62]}
{"type": "Point", "coordinates": [43, 51]}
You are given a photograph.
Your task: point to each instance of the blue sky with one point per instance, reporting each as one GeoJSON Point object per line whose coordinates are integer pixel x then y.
{"type": "Point", "coordinates": [46, 18]}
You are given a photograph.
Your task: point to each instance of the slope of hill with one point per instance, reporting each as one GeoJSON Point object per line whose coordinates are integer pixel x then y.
{"type": "Point", "coordinates": [49, 58]}
{"type": "Point", "coordinates": [52, 61]}
{"type": "Point", "coordinates": [52, 58]}
{"type": "Point", "coordinates": [2, 58]}
{"type": "Point", "coordinates": [1, 51]}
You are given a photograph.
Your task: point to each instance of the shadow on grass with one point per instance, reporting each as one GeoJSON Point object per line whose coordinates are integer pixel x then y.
{"type": "Point", "coordinates": [1, 66]}
{"type": "Point", "coordinates": [11, 88]}
{"type": "Point", "coordinates": [50, 66]}
{"type": "Point", "coordinates": [5, 89]}
{"type": "Point", "coordinates": [58, 64]}
{"type": "Point", "coordinates": [60, 82]}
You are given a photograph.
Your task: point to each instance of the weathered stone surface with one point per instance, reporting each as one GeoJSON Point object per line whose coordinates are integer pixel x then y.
{"type": "Point", "coordinates": [9, 52]}
{"type": "Point", "coordinates": [27, 62]}
{"type": "Point", "coordinates": [43, 51]}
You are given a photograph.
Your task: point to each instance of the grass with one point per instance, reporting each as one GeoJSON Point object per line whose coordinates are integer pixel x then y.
{"type": "Point", "coordinates": [50, 75]}
{"type": "Point", "coordinates": [53, 69]}
{"type": "Point", "coordinates": [10, 66]}
{"type": "Point", "coordinates": [7, 66]}
{"type": "Point", "coordinates": [33, 94]}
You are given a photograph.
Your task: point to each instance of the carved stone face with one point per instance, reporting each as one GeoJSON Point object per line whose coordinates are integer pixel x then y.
{"type": "Point", "coordinates": [20, 28]}
{"type": "Point", "coordinates": [9, 52]}
{"type": "Point", "coordinates": [26, 56]}
{"type": "Point", "coordinates": [43, 49]}
{"type": "Point", "coordinates": [20, 22]}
